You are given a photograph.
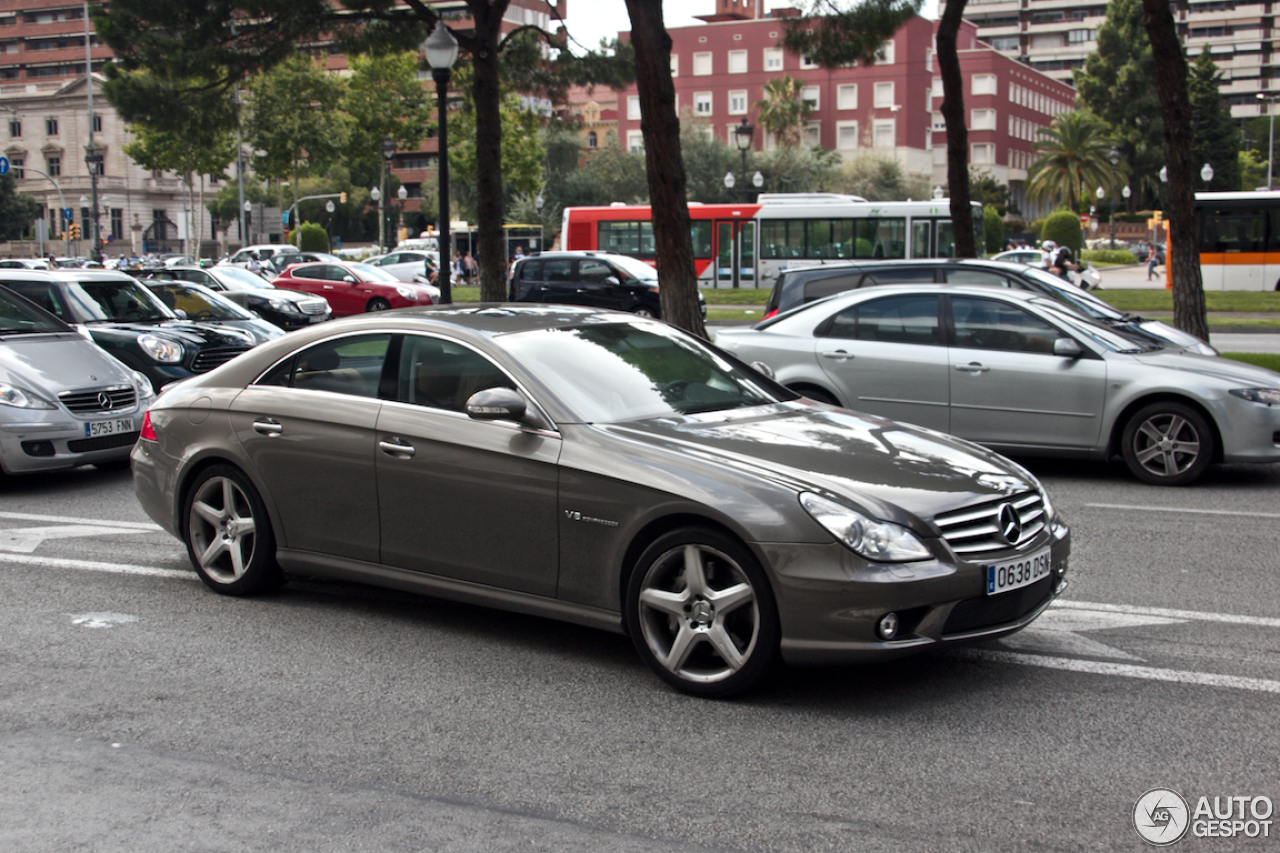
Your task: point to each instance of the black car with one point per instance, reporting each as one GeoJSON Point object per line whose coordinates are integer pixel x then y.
{"type": "Point", "coordinates": [130, 322]}
{"type": "Point", "coordinates": [595, 279]}
{"type": "Point", "coordinates": [287, 309]}
{"type": "Point", "coordinates": [192, 301]}
{"type": "Point", "coordinates": [802, 285]}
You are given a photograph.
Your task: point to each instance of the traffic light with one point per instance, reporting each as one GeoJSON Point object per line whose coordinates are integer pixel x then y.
{"type": "Point", "coordinates": [75, 231]}
{"type": "Point", "coordinates": [342, 197]}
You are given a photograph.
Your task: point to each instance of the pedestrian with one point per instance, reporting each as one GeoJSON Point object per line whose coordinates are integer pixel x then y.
{"type": "Point", "coordinates": [469, 264]}
{"type": "Point", "coordinates": [1048, 249]}
{"type": "Point", "coordinates": [253, 265]}
{"type": "Point", "coordinates": [1152, 257]}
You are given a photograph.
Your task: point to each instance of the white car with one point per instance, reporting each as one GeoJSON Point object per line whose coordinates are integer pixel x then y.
{"type": "Point", "coordinates": [24, 264]}
{"type": "Point", "coordinates": [262, 250]}
{"type": "Point", "coordinates": [406, 265]}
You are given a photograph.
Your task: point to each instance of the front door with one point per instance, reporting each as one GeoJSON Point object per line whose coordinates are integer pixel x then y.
{"type": "Point", "coordinates": [735, 253]}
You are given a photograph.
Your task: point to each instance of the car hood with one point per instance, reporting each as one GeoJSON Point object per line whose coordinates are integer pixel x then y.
{"type": "Point", "coordinates": [55, 363]}
{"type": "Point", "coordinates": [185, 331]}
{"type": "Point", "coordinates": [278, 294]}
{"type": "Point", "coordinates": [1169, 333]}
{"type": "Point", "coordinates": [1237, 374]}
{"type": "Point", "coordinates": [887, 467]}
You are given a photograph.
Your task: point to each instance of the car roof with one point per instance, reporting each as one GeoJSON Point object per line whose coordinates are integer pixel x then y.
{"type": "Point", "coordinates": [574, 253]}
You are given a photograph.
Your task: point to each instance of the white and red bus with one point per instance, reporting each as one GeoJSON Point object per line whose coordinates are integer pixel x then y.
{"type": "Point", "coordinates": [747, 245]}
{"type": "Point", "coordinates": [1239, 240]}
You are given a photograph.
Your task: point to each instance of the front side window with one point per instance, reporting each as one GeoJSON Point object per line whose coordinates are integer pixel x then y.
{"type": "Point", "coordinates": [894, 320]}
{"type": "Point", "coordinates": [442, 374]}
{"type": "Point", "coordinates": [987, 324]}
{"type": "Point", "coordinates": [352, 366]}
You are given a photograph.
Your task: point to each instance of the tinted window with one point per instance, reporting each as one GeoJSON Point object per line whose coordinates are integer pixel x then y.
{"type": "Point", "coordinates": [45, 295]}
{"type": "Point", "coordinates": [530, 271]}
{"type": "Point", "coordinates": [594, 271]}
{"type": "Point", "coordinates": [896, 319]}
{"type": "Point", "coordinates": [823, 287]}
{"type": "Point", "coordinates": [344, 366]}
{"type": "Point", "coordinates": [557, 269]}
{"type": "Point", "coordinates": [444, 375]}
{"type": "Point", "coordinates": [975, 277]}
{"type": "Point", "coordinates": [314, 271]}
{"type": "Point", "coordinates": [986, 324]}
{"type": "Point", "coordinates": [900, 275]}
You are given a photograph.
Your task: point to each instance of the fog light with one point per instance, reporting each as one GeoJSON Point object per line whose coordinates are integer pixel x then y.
{"type": "Point", "coordinates": [887, 627]}
{"type": "Point", "coordinates": [1062, 567]}
{"type": "Point", "coordinates": [38, 448]}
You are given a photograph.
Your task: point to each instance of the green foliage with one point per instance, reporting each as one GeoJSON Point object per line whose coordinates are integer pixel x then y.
{"type": "Point", "coordinates": [1253, 171]}
{"type": "Point", "coordinates": [707, 160]}
{"type": "Point", "coordinates": [782, 111]}
{"type": "Point", "coordinates": [833, 36]}
{"type": "Point", "coordinates": [1072, 159]}
{"type": "Point", "coordinates": [1109, 256]}
{"type": "Point", "coordinates": [984, 188]}
{"type": "Point", "coordinates": [295, 125]}
{"type": "Point", "coordinates": [1063, 228]}
{"type": "Point", "coordinates": [879, 178]}
{"type": "Point", "coordinates": [992, 230]}
{"type": "Point", "coordinates": [798, 170]}
{"type": "Point", "coordinates": [1216, 137]}
{"type": "Point", "coordinates": [610, 175]}
{"type": "Point", "coordinates": [383, 97]}
{"type": "Point", "coordinates": [17, 210]}
{"type": "Point", "coordinates": [312, 237]}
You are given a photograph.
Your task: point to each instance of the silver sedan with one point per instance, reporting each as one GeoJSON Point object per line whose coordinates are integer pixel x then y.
{"type": "Point", "coordinates": [1016, 372]}
{"type": "Point", "coordinates": [591, 466]}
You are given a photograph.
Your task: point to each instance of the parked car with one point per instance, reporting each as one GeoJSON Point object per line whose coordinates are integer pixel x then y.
{"type": "Point", "coordinates": [352, 288]}
{"type": "Point", "coordinates": [800, 285]}
{"type": "Point", "coordinates": [285, 308]}
{"type": "Point", "coordinates": [597, 279]}
{"type": "Point", "coordinates": [130, 322]}
{"type": "Point", "coordinates": [646, 484]}
{"type": "Point", "coordinates": [195, 302]}
{"type": "Point", "coordinates": [264, 251]}
{"type": "Point", "coordinates": [1015, 371]}
{"type": "Point", "coordinates": [63, 401]}
{"type": "Point", "coordinates": [1031, 257]}
{"type": "Point", "coordinates": [406, 265]}
{"type": "Point", "coordinates": [24, 264]}
{"type": "Point", "coordinates": [277, 263]}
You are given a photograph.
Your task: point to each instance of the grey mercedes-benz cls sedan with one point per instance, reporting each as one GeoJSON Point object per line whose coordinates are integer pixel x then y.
{"type": "Point", "coordinates": [604, 469]}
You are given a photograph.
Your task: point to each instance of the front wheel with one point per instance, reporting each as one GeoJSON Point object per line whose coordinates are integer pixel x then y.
{"type": "Point", "coordinates": [647, 313]}
{"type": "Point", "coordinates": [378, 304]}
{"type": "Point", "coordinates": [1167, 444]}
{"type": "Point", "coordinates": [228, 533]}
{"type": "Point", "coordinates": [701, 613]}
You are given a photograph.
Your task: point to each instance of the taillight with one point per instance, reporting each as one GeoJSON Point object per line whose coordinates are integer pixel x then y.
{"type": "Point", "coordinates": [148, 432]}
{"type": "Point", "coordinates": [770, 314]}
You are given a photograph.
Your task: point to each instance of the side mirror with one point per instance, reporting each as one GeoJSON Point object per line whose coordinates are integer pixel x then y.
{"type": "Point", "coordinates": [612, 279]}
{"type": "Point", "coordinates": [502, 404]}
{"type": "Point", "coordinates": [348, 279]}
{"type": "Point", "coordinates": [182, 315]}
{"type": "Point", "coordinates": [1067, 348]}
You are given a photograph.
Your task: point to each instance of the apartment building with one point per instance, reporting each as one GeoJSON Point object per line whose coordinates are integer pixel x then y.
{"type": "Point", "coordinates": [1055, 36]}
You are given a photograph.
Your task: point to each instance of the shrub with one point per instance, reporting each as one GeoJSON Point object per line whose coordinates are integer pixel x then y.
{"type": "Point", "coordinates": [1109, 256]}
{"type": "Point", "coordinates": [992, 230]}
{"type": "Point", "coordinates": [312, 238]}
{"type": "Point", "coordinates": [1063, 228]}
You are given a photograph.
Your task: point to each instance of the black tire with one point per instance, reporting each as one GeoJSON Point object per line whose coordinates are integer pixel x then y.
{"type": "Point", "coordinates": [228, 534]}
{"type": "Point", "coordinates": [648, 313]}
{"type": "Point", "coordinates": [1167, 444]}
{"type": "Point", "coordinates": [378, 304]}
{"type": "Point", "coordinates": [701, 613]}
{"type": "Point", "coordinates": [816, 394]}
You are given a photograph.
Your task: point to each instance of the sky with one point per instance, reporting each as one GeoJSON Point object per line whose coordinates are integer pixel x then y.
{"type": "Point", "coordinates": [592, 20]}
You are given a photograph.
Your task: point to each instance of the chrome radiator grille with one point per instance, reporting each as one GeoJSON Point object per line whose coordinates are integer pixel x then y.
{"type": "Point", "coordinates": [986, 527]}
{"type": "Point", "coordinates": [98, 400]}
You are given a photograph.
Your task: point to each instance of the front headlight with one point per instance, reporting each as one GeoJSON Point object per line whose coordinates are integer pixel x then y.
{"type": "Point", "coordinates": [161, 349]}
{"type": "Point", "coordinates": [282, 305]}
{"type": "Point", "coordinates": [881, 541]}
{"type": "Point", "coordinates": [1267, 396]}
{"type": "Point", "coordinates": [146, 391]}
{"type": "Point", "coordinates": [407, 293]}
{"type": "Point", "coordinates": [11, 395]}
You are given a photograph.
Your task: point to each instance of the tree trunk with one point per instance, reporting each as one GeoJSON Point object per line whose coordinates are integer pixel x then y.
{"type": "Point", "coordinates": [665, 166]}
{"type": "Point", "coordinates": [487, 97]}
{"type": "Point", "coordinates": [957, 131]}
{"type": "Point", "coordinates": [1183, 253]}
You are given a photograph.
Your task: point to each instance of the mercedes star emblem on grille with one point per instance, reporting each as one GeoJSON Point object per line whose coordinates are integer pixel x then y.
{"type": "Point", "coordinates": [104, 400]}
{"type": "Point", "coordinates": [1010, 524]}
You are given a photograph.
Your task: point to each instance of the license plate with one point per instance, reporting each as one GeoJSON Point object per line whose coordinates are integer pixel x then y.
{"type": "Point", "coordinates": [95, 429]}
{"type": "Point", "coordinates": [316, 318]}
{"type": "Point", "coordinates": [1003, 577]}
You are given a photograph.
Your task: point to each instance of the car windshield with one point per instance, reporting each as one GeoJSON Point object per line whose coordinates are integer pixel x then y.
{"type": "Point", "coordinates": [18, 318]}
{"type": "Point", "coordinates": [197, 302]}
{"type": "Point", "coordinates": [636, 269]}
{"type": "Point", "coordinates": [615, 372]}
{"type": "Point", "coordinates": [114, 301]}
{"type": "Point", "coordinates": [1104, 336]}
{"type": "Point", "coordinates": [237, 278]}
{"type": "Point", "coordinates": [369, 273]}
{"type": "Point", "coordinates": [1081, 302]}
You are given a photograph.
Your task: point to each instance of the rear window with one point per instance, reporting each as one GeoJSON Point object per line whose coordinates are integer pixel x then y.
{"type": "Point", "coordinates": [824, 287]}
{"type": "Point", "coordinates": [908, 275]}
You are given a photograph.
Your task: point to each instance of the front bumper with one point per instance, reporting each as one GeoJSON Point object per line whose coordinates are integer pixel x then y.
{"type": "Point", "coordinates": [830, 601]}
{"type": "Point", "coordinates": [58, 442]}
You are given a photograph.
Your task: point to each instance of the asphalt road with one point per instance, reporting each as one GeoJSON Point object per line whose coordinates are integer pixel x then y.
{"type": "Point", "coordinates": [141, 712]}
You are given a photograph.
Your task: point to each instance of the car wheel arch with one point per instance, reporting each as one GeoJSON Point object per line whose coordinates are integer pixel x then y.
{"type": "Point", "coordinates": [1115, 449]}
{"type": "Point", "coordinates": [200, 464]}
{"type": "Point", "coordinates": [814, 392]}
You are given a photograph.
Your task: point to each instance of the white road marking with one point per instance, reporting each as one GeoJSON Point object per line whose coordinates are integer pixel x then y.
{"type": "Point", "coordinates": [1176, 509]}
{"type": "Point", "coordinates": [1166, 613]}
{"type": "Point", "coordinates": [1124, 670]}
{"type": "Point", "coordinates": [1055, 632]}
{"type": "Point", "coordinates": [102, 620]}
{"type": "Point", "coordinates": [60, 519]}
{"type": "Point", "coordinates": [93, 566]}
{"type": "Point", "coordinates": [25, 540]}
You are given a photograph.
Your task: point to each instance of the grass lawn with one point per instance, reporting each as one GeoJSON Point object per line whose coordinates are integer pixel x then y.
{"type": "Point", "coordinates": [1215, 300]}
{"type": "Point", "coordinates": [1269, 360]}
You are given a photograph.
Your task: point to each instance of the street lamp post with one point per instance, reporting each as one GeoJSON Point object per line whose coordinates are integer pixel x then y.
{"type": "Point", "coordinates": [538, 203]}
{"type": "Point", "coordinates": [248, 210]}
{"type": "Point", "coordinates": [401, 194]}
{"type": "Point", "coordinates": [388, 151]}
{"type": "Point", "coordinates": [1271, 138]}
{"type": "Point", "coordinates": [1114, 157]}
{"type": "Point", "coordinates": [442, 51]}
{"type": "Point", "coordinates": [1206, 175]}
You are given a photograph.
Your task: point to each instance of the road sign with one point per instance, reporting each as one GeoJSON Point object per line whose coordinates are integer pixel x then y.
{"type": "Point", "coordinates": [4, 165]}
{"type": "Point", "coordinates": [284, 218]}
{"type": "Point", "coordinates": [67, 214]}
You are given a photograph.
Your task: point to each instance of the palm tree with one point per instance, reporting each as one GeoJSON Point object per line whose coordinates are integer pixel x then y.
{"type": "Point", "coordinates": [782, 110]}
{"type": "Point", "coordinates": [1073, 153]}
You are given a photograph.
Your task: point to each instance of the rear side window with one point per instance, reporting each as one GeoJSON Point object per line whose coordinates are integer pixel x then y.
{"type": "Point", "coordinates": [315, 271]}
{"type": "Point", "coordinates": [531, 271]}
{"type": "Point", "coordinates": [897, 320]}
{"type": "Point", "coordinates": [351, 366]}
{"type": "Point", "coordinates": [904, 275]}
{"type": "Point", "coordinates": [976, 277]}
{"type": "Point", "coordinates": [823, 287]}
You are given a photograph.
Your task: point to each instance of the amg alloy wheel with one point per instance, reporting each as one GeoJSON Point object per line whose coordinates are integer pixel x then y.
{"type": "Point", "coordinates": [228, 534]}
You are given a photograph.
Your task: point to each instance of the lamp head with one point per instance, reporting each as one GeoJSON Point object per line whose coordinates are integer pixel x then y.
{"type": "Point", "coordinates": [441, 48]}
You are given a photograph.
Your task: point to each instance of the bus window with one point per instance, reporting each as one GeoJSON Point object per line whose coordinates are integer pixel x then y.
{"type": "Point", "coordinates": [633, 238]}
{"type": "Point", "coordinates": [700, 232]}
{"type": "Point", "coordinates": [781, 238]}
{"type": "Point", "coordinates": [881, 239]}
{"type": "Point", "coordinates": [946, 239]}
{"type": "Point", "coordinates": [920, 239]}
{"type": "Point", "coordinates": [818, 244]}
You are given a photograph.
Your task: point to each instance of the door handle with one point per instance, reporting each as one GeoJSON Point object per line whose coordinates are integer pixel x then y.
{"type": "Point", "coordinates": [838, 355]}
{"type": "Point", "coordinates": [396, 447]}
{"type": "Point", "coordinates": [268, 427]}
{"type": "Point", "coordinates": [973, 367]}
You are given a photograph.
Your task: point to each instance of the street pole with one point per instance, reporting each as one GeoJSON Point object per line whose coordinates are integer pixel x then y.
{"type": "Point", "coordinates": [92, 159]}
{"type": "Point", "coordinates": [442, 51]}
{"type": "Point", "coordinates": [1271, 138]}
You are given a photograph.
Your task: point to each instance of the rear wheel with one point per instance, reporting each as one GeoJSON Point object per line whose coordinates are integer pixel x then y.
{"type": "Point", "coordinates": [228, 533]}
{"type": "Point", "coordinates": [377, 304]}
{"type": "Point", "coordinates": [701, 613]}
{"type": "Point", "coordinates": [1167, 444]}
{"type": "Point", "coordinates": [646, 312]}
{"type": "Point", "coordinates": [816, 394]}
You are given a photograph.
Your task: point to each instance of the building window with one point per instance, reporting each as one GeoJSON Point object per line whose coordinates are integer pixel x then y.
{"type": "Point", "coordinates": [773, 59]}
{"type": "Point", "coordinates": [884, 134]}
{"type": "Point", "coordinates": [738, 102]}
{"type": "Point", "coordinates": [807, 64]}
{"type": "Point", "coordinates": [937, 91]}
{"type": "Point", "coordinates": [939, 123]}
{"type": "Point", "coordinates": [15, 128]}
{"type": "Point", "coordinates": [51, 127]}
{"type": "Point", "coordinates": [885, 55]}
{"type": "Point", "coordinates": [702, 103]}
{"type": "Point", "coordinates": [982, 119]}
{"type": "Point", "coordinates": [16, 164]}
{"type": "Point", "coordinates": [53, 165]}
{"type": "Point", "coordinates": [984, 84]}
{"type": "Point", "coordinates": [982, 154]}
{"type": "Point", "coordinates": [737, 62]}
{"type": "Point", "coordinates": [675, 65]}
{"type": "Point", "coordinates": [847, 97]}
{"type": "Point", "coordinates": [846, 135]}
{"type": "Point", "coordinates": [1004, 43]}
{"type": "Point", "coordinates": [701, 64]}
{"type": "Point", "coordinates": [635, 142]}
{"type": "Point", "coordinates": [592, 140]}
{"type": "Point", "coordinates": [1081, 36]}
{"type": "Point", "coordinates": [884, 95]}
{"type": "Point", "coordinates": [100, 167]}
{"type": "Point", "coordinates": [97, 124]}
{"type": "Point", "coordinates": [809, 95]}
{"type": "Point", "coordinates": [633, 107]}
{"type": "Point", "coordinates": [813, 134]}
{"type": "Point", "coordinates": [117, 223]}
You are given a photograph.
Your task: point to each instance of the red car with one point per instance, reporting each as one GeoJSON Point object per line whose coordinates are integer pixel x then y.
{"type": "Point", "coordinates": [354, 288]}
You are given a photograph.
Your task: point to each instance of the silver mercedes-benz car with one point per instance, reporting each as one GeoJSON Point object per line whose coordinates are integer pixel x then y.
{"type": "Point", "coordinates": [1017, 372]}
{"type": "Point", "coordinates": [600, 468]}
{"type": "Point", "coordinates": [63, 401]}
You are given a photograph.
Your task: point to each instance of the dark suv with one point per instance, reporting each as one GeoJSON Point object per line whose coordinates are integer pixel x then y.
{"type": "Point", "coordinates": [130, 322]}
{"type": "Point", "coordinates": [801, 285]}
{"type": "Point", "coordinates": [597, 279]}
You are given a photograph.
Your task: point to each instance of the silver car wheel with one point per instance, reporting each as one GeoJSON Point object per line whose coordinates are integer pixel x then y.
{"type": "Point", "coordinates": [645, 312]}
{"type": "Point", "coordinates": [705, 616]}
{"type": "Point", "coordinates": [229, 537]}
{"type": "Point", "coordinates": [1168, 444]}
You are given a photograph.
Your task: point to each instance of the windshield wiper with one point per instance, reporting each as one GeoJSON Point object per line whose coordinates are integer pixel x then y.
{"type": "Point", "coordinates": [30, 331]}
